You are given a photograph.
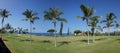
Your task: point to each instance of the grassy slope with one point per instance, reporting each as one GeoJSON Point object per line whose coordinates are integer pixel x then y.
{"type": "Point", "coordinates": [75, 45]}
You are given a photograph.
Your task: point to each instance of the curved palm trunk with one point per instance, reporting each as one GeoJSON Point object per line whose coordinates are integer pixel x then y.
{"type": "Point", "coordinates": [30, 33]}
{"type": "Point", "coordinates": [55, 32]}
{"type": "Point", "coordinates": [2, 27]}
{"type": "Point", "coordinates": [61, 28]}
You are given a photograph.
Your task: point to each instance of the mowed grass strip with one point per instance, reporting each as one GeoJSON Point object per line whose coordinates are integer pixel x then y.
{"type": "Point", "coordinates": [67, 44]}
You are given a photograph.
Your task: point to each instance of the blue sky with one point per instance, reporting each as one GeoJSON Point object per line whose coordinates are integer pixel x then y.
{"type": "Point", "coordinates": [71, 9]}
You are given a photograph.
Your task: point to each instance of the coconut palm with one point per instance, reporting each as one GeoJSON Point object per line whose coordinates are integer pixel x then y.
{"type": "Point", "coordinates": [53, 14]}
{"type": "Point", "coordinates": [117, 27]}
{"type": "Point", "coordinates": [109, 21]}
{"type": "Point", "coordinates": [99, 28]}
{"type": "Point", "coordinates": [93, 23]}
{"type": "Point", "coordinates": [61, 26]}
{"type": "Point", "coordinates": [31, 17]}
{"type": "Point", "coordinates": [4, 14]}
{"type": "Point", "coordinates": [8, 27]}
{"type": "Point", "coordinates": [20, 30]}
{"type": "Point", "coordinates": [88, 12]}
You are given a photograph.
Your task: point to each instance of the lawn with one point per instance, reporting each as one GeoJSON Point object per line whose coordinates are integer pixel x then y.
{"type": "Point", "coordinates": [68, 44]}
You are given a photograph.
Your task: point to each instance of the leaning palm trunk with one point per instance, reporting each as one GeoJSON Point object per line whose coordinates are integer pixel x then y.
{"type": "Point", "coordinates": [1, 31]}
{"type": "Point", "coordinates": [61, 28]}
{"type": "Point", "coordinates": [30, 33]}
{"type": "Point", "coordinates": [55, 32]}
{"type": "Point", "coordinates": [2, 28]}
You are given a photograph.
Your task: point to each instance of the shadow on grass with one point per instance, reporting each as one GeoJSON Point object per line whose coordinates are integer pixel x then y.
{"type": "Point", "coordinates": [118, 40]}
{"type": "Point", "coordinates": [5, 40]}
{"type": "Point", "coordinates": [63, 43]}
{"type": "Point", "coordinates": [26, 40]}
{"type": "Point", "coordinates": [46, 41]}
{"type": "Point", "coordinates": [85, 41]}
{"type": "Point", "coordinates": [91, 40]}
{"type": "Point", "coordinates": [100, 39]}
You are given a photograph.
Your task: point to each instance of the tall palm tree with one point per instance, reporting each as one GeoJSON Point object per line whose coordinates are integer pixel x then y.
{"type": "Point", "coordinates": [31, 17]}
{"type": "Point", "coordinates": [117, 27]}
{"type": "Point", "coordinates": [61, 26]}
{"type": "Point", "coordinates": [4, 14]}
{"type": "Point", "coordinates": [99, 28]}
{"type": "Point", "coordinates": [68, 32]}
{"type": "Point", "coordinates": [93, 23]}
{"type": "Point", "coordinates": [88, 12]}
{"type": "Point", "coordinates": [109, 21]}
{"type": "Point", "coordinates": [53, 14]}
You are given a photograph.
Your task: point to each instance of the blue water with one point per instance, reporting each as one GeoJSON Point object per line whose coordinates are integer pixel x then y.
{"type": "Point", "coordinates": [51, 34]}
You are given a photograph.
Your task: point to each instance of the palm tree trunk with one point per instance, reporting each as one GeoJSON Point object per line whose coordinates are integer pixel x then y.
{"type": "Point", "coordinates": [55, 32]}
{"type": "Point", "coordinates": [87, 30]}
{"type": "Point", "coordinates": [109, 32]}
{"type": "Point", "coordinates": [30, 33]}
{"type": "Point", "coordinates": [117, 34]}
{"type": "Point", "coordinates": [93, 34]}
{"type": "Point", "coordinates": [88, 34]}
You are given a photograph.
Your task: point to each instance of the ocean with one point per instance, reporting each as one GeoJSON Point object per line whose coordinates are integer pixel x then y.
{"type": "Point", "coordinates": [50, 34]}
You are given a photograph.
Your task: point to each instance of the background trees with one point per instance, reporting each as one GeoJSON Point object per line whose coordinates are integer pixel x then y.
{"type": "Point", "coordinates": [4, 14]}
{"type": "Point", "coordinates": [109, 21]}
{"type": "Point", "coordinates": [76, 32]}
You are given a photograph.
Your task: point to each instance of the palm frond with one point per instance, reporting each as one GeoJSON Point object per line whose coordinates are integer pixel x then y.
{"type": "Point", "coordinates": [85, 9]}
{"type": "Point", "coordinates": [103, 21]}
{"type": "Point", "coordinates": [91, 11]}
{"type": "Point", "coordinates": [24, 19]}
{"type": "Point", "coordinates": [62, 19]}
{"type": "Point", "coordinates": [104, 27]}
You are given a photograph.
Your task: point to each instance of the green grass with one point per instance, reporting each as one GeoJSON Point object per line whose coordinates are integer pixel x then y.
{"type": "Point", "coordinates": [70, 44]}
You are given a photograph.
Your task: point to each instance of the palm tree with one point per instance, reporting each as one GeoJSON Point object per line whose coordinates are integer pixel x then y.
{"type": "Point", "coordinates": [110, 20]}
{"type": "Point", "coordinates": [61, 26]}
{"type": "Point", "coordinates": [117, 27]}
{"type": "Point", "coordinates": [8, 27]}
{"type": "Point", "coordinates": [31, 17]}
{"type": "Point", "coordinates": [4, 14]}
{"type": "Point", "coordinates": [88, 12]}
{"type": "Point", "coordinates": [99, 28]}
{"type": "Point", "coordinates": [53, 14]}
{"type": "Point", "coordinates": [68, 32]}
{"type": "Point", "coordinates": [93, 23]}
{"type": "Point", "coordinates": [20, 30]}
